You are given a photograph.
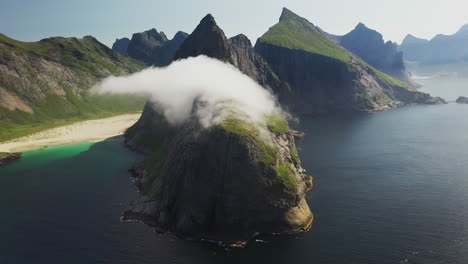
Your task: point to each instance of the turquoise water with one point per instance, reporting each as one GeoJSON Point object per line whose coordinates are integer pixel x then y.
{"type": "Point", "coordinates": [390, 188]}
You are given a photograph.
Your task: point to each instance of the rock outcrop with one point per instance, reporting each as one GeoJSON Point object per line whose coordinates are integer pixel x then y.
{"type": "Point", "coordinates": [8, 158]}
{"type": "Point", "coordinates": [121, 45]}
{"type": "Point", "coordinates": [462, 100]}
{"type": "Point", "coordinates": [154, 48]}
{"type": "Point", "coordinates": [325, 77]}
{"type": "Point", "coordinates": [223, 183]}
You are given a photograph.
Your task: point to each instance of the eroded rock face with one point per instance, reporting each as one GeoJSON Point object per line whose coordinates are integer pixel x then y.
{"type": "Point", "coordinates": [212, 184]}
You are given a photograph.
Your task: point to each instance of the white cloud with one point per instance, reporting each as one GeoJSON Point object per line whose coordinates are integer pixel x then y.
{"type": "Point", "coordinates": [174, 89]}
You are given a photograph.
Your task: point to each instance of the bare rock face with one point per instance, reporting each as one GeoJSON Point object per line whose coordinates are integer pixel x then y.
{"type": "Point", "coordinates": [216, 183]}
{"type": "Point", "coordinates": [207, 39]}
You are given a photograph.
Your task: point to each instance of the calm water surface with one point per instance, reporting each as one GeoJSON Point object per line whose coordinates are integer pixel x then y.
{"type": "Point", "coordinates": [390, 188]}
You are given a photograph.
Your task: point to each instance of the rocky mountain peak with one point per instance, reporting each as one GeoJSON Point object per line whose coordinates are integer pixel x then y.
{"type": "Point", "coordinates": [153, 47]}
{"type": "Point", "coordinates": [363, 31]}
{"type": "Point", "coordinates": [287, 14]}
{"type": "Point", "coordinates": [361, 25]}
{"type": "Point", "coordinates": [121, 45]}
{"type": "Point", "coordinates": [241, 39]}
{"type": "Point", "coordinates": [410, 39]}
{"type": "Point", "coordinates": [180, 35]}
{"type": "Point", "coordinates": [208, 21]}
{"type": "Point", "coordinates": [207, 39]}
{"type": "Point", "coordinates": [154, 35]}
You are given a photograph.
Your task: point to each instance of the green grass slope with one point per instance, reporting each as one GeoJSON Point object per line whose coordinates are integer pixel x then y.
{"type": "Point", "coordinates": [295, 32]}
{"type": "Point", "coordinates": [51, 78]}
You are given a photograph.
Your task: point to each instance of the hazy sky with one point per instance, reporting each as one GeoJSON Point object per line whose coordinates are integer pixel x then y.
{"type": "Point", "coordinates": [31, 20]}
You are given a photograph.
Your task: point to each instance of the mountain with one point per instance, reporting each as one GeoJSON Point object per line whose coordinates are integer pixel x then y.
{"type": "Point", "coordinates": [46, 83]}
{"type": "Point", "coordinates": [441, 49]}
{"type": "Point", "coordinates": [223, 183]}
{"type": "Point", "coordinates": [325, 77]}
{"type": "Point", "coordinates": [384, 56]}
{"type": "Point", "coordinates": [153, 47]}
{"type": "Point", "coordinates": [121, 45]}
{"type": "Point", "coordinates": [208, 39]}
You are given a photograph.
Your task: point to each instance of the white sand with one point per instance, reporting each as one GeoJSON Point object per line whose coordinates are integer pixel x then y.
{"type": "Point", "coordinates": [84, 131]}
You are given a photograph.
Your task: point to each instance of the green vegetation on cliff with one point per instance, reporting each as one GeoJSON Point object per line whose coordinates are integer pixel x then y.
{"type": "Point", "coordinates": [269, 150]}
{"type": "Point", "coordinates": [295, 32]}
{"type": "Point", "coordinates": [57, 111]}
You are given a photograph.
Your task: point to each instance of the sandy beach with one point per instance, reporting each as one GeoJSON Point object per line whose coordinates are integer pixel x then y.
{"type": "Point", "coordinates": [90, 130]}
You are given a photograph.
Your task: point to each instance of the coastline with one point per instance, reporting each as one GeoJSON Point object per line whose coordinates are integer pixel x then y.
{"type": "Point", "coordinates": [89, 130]}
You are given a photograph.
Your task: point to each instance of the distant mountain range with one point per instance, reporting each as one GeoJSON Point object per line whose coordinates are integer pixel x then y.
{"type": "Point", "coordinates": [151, 47]}
{"type": "Point", "coordinates": [370, 46]}
{"type": "Point", "coordinates": [442, 55]}
{"type": "Point", "coordinates": [439, 50]}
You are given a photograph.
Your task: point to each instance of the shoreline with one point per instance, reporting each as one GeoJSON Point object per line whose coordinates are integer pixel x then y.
{"type": "Point", "coordinates": [82, 131]}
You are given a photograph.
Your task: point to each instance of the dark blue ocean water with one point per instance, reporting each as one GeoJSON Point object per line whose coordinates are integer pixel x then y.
{"type": "Point", "coordinates": [390, 188]}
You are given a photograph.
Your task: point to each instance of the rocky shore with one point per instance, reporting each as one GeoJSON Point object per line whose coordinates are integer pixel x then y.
{"type": "Point", "coordinates": [8, 158]}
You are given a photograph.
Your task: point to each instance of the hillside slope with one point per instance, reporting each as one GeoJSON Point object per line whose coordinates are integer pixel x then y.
{"type": "Point", "coordinates": [325, 77]}
{"type": "Point", "coordinates": [46, 83]}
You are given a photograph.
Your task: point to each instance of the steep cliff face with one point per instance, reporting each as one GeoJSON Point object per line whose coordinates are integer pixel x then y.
{"type": "Point", "coordinates": [222, 183]}
{"type": "Point", "coordinates": [121, 45]}
{"type": "Point", "coordinates": [154, 48]}
{"type": "Point", "coordinates": [208, 39]}
{"type": "Point", "coordinates": [47, 81]}
{"type": "Point", "coordinates": [384, 56]}
{"type": "Point", "coordinates": [325, 77]}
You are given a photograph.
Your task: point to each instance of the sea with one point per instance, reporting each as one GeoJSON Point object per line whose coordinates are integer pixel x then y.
{"type": "Point", "coordinates": [390, 187]}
